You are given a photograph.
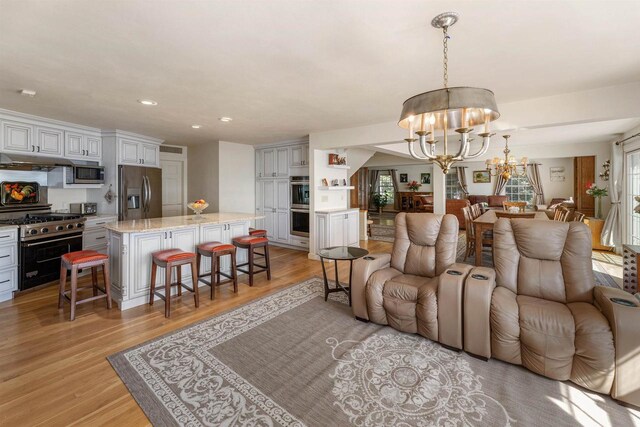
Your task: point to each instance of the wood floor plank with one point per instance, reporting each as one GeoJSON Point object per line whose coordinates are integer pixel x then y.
{"type": "Point", "coordinates": [54, 372]}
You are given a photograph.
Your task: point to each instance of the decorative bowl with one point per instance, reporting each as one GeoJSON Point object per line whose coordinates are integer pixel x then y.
{"type": "Point", "coordinates": [197, 208]}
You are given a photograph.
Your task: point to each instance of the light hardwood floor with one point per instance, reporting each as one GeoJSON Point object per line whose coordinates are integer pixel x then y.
{"type": "Point", "coordinates": [55, 372]}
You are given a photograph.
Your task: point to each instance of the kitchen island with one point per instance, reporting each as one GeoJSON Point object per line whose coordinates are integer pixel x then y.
{"type": "Point", "coordinates": [131, 244]}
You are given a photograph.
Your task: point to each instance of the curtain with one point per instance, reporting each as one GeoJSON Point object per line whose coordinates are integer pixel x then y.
{"type": "Point", "coordinates": [533, 173]}
{"type": "Point", "coordinates": [374, 185]}
{"type": "Point", "coordinates": [612, 230]}
{"type": "Point", "coordinates": [499, 186]}
{"type": "Point", "coordinates": [462, 180]}
{"type": "Point", "coordinates": [396, 188]}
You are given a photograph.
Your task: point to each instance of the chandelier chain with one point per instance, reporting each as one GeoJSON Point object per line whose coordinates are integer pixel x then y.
{"type": "Point", "coordinates": [446, 58]}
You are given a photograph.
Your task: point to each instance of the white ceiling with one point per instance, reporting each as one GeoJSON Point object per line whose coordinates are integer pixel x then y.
{"type": "Point", "coordinates": [285, 68]}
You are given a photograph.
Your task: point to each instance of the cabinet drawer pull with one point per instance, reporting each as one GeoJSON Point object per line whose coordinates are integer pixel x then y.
{"type": "Point", "coordinates": [5, 281]}
{"type": "Point", "coordinates": [5, 256]}
{"type": "Point", "coordinates": [100, 223]}
{"type": "Point", "coordinates": [101, 237]}
{"type": "Point", "coordinates": [4, 237]}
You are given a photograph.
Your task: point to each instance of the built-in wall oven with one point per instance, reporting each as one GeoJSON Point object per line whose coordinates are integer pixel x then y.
{"type": "Point", "coordinates": [299, 222]}
{"type": "Point", "coordinates": [300, 192]}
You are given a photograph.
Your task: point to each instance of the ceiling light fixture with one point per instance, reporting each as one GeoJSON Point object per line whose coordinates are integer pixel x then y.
{"type": "Point", "coordinates": [147, 102]}
{"type": "Point", "coordinates": [456, 108]}
{"type": "Point", "coordinates": [508, 166]}
{"type": "Point", "coordinates": [196, 126]}
{"type": "Point", "coordinates": [225, 119]}
{"type": "Point", "coordinates": [28, 92]}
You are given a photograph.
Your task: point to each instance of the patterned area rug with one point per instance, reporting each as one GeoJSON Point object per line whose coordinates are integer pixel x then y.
{"type": "Point", "coordinates": [292, 359]}
{"type": "Point", "coordinates": [382, 232]}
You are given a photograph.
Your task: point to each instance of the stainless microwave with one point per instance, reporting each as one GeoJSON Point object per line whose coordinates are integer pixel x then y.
{"type": "Point", "coordinates": [82, 174]}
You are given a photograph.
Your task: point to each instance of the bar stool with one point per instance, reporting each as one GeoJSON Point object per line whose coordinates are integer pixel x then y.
{"type": "Point", "coordinates": [257, 232]}
{"type": "Point", "coordinates": [168, 259]}
{"type": "Point", "coordinates": [251, 243]}
{"type": "Point", "coordinates": [215, 250]}
{"type": "Point", "coordinates": [75, 261]}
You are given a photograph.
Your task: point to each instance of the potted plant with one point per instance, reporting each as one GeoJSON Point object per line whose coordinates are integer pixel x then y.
{"type": "Point", "coordinates": [380, 200]}
{"type": "Point", "coordinates": [598, 193]}
{"type": "Point", "coordinates": [414, 185]}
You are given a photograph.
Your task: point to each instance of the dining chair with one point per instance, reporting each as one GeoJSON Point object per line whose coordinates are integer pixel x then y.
{"type": "Point", "coordinates": [471, 234]}
{"type": "Point", "coordinates": [520, 205]}
{"type": "Point", "coordinates": [561, 214]}
{"type": "Point", "coordinates": [476, 210]}
{"type": "Point", "coordinates": [578, 216]}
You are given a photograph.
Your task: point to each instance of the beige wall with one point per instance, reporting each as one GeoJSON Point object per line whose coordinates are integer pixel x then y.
{"type": "Point", "coordinates": [237, 192]}
{"type": "Point", "coordinates": [203, 174]}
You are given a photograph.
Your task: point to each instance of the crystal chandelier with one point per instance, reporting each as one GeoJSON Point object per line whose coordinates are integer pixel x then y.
{"type": "Point", "coordinates": [449, 108]}
{"type": "Point", "coordinates": [508, 166]}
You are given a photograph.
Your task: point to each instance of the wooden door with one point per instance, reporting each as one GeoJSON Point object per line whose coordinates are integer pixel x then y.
{"type": "Point", "coordinates": [359, 196]}
{"type": "Point", "coordinates": [584, 174]}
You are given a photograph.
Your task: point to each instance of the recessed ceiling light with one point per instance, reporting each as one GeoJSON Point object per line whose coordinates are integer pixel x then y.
{"type": "Point", "coordinates": [225, 119]}
{"type": "Point", "coordinates": [147, 102]}
{"type": "Point", "coordinates": [196, 126]}
{"type": "Point", "coordinates": [28, 92]}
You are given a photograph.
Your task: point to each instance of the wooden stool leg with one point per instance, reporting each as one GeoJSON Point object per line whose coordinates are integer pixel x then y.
{"type": "Point", "coordinates": [63, 285]}
{"type": "Point", "coordinates": [74, 290]}
{"type": "Point", "coordinates": [198, 261]}
{"type": "Point", "coordinates": [194, 278]}
{"type": "Point", "coordinates": [94, 280]}
{"type": "Point", "coordinates": [152, 287]}
{"type": "Point", "coordinates": [250, 254]}
{"type": "Point", "coordinates": [167, 290]}
{"type": "Point", "coordinates": [179, 279]}
{"type": "Point", "coordinates": [214, 266]}
{"type": "Point", "coordinates": [106, 276]}
{"type": "Point", "coordinates": [267, 262]}
{"type": "Point", "coordinates": [219, 267]}
{"type": "Point", "coordinates": [234, 272]}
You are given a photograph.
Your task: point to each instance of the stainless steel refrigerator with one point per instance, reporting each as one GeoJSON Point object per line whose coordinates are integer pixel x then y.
{"type": "Point", "coordinates": [140, 192]}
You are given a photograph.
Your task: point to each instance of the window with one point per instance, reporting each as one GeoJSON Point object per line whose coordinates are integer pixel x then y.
{"type": "Point", "coordinates": [518, 189]}
{"type": "Point", "coordinates": [386, 186]}
{"type": "Point", "coordinates": [453, 189]}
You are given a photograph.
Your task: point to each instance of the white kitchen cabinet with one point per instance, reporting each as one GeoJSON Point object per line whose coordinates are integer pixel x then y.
{"type": "Point", "coordinates": [150, 154]}
{"type": "Point", "coordinates": [50, 141]}
{"type": "Point", "coordinates": [272, 163]}
{"type": "Point", "coordinates": [274, 194]}
{"type": "Point", "coordinates": [299, 155]}
{"type": "Point", "coordinates": [138, 153]}
{"type": "Point", "coordinates": [17, 137]}
{"type": "Point", "coordinates": [82, 146]}
{"type": "Point", "coordinates": [337, 228]}
{"type": "Point", "coordinates": [223, 233]}
{"type": "Point", "coordinates": [8, 262]}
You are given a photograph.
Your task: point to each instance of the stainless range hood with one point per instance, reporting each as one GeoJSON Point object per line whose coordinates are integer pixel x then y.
{"type": "Point", "coordinates": [31, 163]}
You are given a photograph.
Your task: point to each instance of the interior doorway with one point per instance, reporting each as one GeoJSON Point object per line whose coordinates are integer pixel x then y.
{"type": "Point", "coordinates": [173, 161]}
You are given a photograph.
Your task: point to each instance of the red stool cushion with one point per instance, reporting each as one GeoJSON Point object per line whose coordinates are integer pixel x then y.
{"type": "Point", "coordinates": [172, 255]}
{"type": "Point", "coordinates": [80, 257]}
{"type": "Point", "coordinates": [250, 240]}
{"type": "Point", "coordinates": [257, 232]}
{"type": "Point", "coordinates": [215, 247]}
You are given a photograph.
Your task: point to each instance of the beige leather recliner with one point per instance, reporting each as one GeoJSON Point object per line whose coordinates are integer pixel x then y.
{"type": "Point", "coordinates": [405, 288]}
{"type": "Point", "coordinates": [540, 309]}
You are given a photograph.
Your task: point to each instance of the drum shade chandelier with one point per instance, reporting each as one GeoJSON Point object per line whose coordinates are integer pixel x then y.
{"type": "Point", "coordinates": [449, 108]}
{"type": "Point", "coordinates": [507, 167]}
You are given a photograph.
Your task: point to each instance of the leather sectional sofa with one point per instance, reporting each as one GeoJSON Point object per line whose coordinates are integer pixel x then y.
{"type": "Point", "coordinates": [538, 308]}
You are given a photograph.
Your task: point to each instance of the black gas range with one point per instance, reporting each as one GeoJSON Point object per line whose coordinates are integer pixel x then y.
{"type": "Point", "coordinates": [42, 240]}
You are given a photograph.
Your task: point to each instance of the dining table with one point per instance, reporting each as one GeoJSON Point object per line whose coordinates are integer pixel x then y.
{"type": "Point", "coordinates": [487, 220]}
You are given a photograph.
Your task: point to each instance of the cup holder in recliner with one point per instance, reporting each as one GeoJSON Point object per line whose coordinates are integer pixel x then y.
{"type": "Point", "coordinates": [625, 302]}
{"type": "Point", "coordinates": [369, 258]}
{"type": "Point", "coordinates": [454, 272]}
{"type": "Point", "coordinates": [479, 277]}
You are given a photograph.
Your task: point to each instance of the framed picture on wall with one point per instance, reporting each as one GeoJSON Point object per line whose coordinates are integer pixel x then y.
{"type": "Point", "coordinates": [425, 178]}
{"type": "Point", "coordinates": [481, 177]}
{"type": "Point", "coordinates": [404, 177]}
{"type": "Point", "coordinates": [556, 174]}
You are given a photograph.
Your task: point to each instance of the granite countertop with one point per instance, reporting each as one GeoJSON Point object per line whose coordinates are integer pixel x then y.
{"type": "Point", "coordinates": [173, 222]}
{"type": "Point", "coordinates": [334, 210]}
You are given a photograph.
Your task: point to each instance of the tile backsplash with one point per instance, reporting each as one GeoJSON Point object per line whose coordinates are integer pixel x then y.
{"type": "Point", "coordinates": [58, 197]}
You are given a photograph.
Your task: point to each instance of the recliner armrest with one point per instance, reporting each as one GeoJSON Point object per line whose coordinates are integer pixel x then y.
{"type": "Point", "coordinates": [450, 292]}
{"type": "Point", "coordinates": [625, 324]}
{"type": "Point", "coordinates": [363, 268]}
{"type": "Point", "coordinates": [478, 291]}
